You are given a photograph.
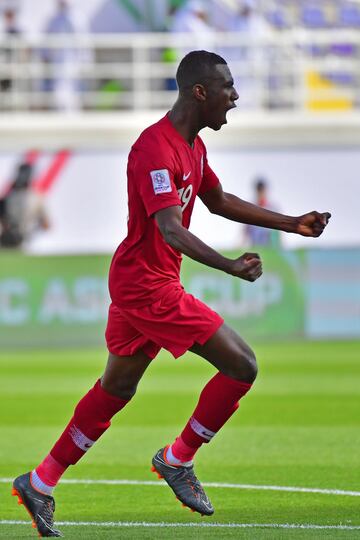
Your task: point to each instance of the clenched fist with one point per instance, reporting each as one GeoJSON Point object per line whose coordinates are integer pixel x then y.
{"type": "Point", "coordinates": [312, 224]}
{"type": "Point", "coordinates": [247, 267]}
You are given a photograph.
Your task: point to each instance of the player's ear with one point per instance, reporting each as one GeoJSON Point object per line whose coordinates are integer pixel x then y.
{"type": "Point", "coordinates": [199, 92]}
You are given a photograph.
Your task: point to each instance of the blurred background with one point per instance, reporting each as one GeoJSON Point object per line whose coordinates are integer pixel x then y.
{"type": "Point", "coordinates": [80, 79]}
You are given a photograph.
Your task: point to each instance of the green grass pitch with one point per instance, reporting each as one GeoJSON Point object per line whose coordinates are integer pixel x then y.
{"type": "Point", "coordinates": [298, 427]}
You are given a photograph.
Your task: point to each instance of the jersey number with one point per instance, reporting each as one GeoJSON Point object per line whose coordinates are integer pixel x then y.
{"type": "Point", "coordinates": [185, 196]}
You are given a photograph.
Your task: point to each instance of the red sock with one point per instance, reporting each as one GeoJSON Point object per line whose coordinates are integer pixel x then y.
{"type": "Point", "coordinates": [91, 419]}
{"type": "Point", "coordinates": [218, 401]}
{"type": "Point", "coordinates": [50, 471]}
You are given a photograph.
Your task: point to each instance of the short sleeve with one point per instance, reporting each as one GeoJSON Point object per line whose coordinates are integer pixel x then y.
{"type": "Point", "coordinates": [154, 177]}
{"type": "Point", "coordinates": [209, 178]}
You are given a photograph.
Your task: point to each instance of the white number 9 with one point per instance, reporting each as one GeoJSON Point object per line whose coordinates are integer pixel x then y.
{"type": "Point", "coordinates": [185, 196]}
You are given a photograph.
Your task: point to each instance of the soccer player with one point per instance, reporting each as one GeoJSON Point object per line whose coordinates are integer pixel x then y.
{"type": "Point", "coordinates": [167, 169]}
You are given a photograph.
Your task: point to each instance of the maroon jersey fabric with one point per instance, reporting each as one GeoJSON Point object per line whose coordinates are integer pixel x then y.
{"type": "Point", "coordinates": [163, 170]}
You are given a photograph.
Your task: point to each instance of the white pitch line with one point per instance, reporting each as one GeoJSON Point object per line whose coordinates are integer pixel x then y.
{"type": "Point", "coordinates": [192, 525]}
{"type": "Point", "coordinates": [292, 489]}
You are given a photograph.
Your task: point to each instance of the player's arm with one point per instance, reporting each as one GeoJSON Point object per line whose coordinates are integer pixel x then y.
{"type": "Point", "coordinates": [169, 221]}
{"type": "Point", "coordinates": [236, 209]}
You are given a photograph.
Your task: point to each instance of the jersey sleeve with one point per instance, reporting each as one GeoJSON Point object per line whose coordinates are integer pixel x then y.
{"type": "Point", "coordinates": [209, 178]}
{"type": "Point", "coordinates": [155, 180]}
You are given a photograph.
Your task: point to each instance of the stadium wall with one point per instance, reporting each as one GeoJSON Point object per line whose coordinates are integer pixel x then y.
{"type": "Point", "coordinates": [309, 162]}
{"type": "Point", "coordinates": [287, 129]}
{"type": "Point", "coordinates": [59, 301]}
{"type": "Point", "coordinates": [311, 290]}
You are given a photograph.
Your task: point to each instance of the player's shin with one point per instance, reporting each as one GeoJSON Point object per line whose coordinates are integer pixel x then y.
{"type": "Point", "coordinates": [92, 417]}
{"type": "Point", "coordinates": [217, 403]}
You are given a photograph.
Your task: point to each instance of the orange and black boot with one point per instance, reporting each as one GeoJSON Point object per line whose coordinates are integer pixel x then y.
{"type": "Point", "coordinates": [41, 507]}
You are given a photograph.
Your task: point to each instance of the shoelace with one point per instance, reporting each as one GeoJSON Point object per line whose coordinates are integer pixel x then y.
{"type": "Point", "coordinates": [194, 483]}
{"type": "Point", "coordinates": [47, 512]}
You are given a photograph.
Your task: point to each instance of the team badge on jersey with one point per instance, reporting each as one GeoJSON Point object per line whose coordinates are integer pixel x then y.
{"type": "Point", "coordinates": [161, 181]}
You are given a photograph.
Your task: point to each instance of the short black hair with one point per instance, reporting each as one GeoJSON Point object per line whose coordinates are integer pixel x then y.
{"type": "Point", "coordinates": [195, 67]}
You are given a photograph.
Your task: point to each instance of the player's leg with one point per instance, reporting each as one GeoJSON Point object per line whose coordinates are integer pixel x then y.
{"type": "Point", "coordinates": [123, 373]}
{"type": "Point", "coordinates": [92, 417]}
{"type": "Point", "coordinates": [218, 401]}
{"type": "Point", "coordinates": [130, 354]}
{"type": "Point", "coordinates": [229, 353]}
{"type": "Point", "coordinates": [220, 397]}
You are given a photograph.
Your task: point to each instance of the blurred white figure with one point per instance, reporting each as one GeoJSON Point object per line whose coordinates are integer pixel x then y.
{"type": "Point", "coordinates": [65, 61]}
{"type": "Point", "coordinates": [193, 18]}
{"type": "Point", "coordinates": [247, 60]}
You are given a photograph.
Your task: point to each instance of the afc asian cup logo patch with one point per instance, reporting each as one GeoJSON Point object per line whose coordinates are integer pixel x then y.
{"type": "Point", "coordinates": [161, 181]}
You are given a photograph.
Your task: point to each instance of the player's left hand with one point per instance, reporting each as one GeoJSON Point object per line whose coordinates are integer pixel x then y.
{"type": "Point", "coordinates": [312, 224]}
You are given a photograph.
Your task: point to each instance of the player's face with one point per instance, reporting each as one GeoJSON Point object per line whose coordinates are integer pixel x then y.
{"type": "Point", "coordinates": [221, 97]}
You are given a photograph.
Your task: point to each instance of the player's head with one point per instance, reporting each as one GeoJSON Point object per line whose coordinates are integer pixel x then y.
{"type": "Point", "coordinates": [205, 78]}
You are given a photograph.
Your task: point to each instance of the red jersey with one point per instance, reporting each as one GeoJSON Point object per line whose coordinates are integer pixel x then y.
{"type": "Point", "coordinates": [163, 170]}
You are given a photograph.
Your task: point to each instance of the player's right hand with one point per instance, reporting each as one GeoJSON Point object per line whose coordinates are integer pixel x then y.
{"type": "Point", "coordinates": [248, 267]}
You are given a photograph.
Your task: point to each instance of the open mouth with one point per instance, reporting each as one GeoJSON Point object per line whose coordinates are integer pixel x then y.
{"type": "Point", "coordinates": [232, 106]}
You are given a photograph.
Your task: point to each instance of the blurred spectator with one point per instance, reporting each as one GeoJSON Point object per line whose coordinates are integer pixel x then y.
{"type": "Point", "coordinates": [64, 60]}
{"type": "Point", "coordinates": [22, 210]}
{"type": "Point", "coordinates": [193, 17]}
{"type": "Point", "coordinates": [170, 56]}
{"type": "Point", "coordinates": [7, 56]}
{"type": "Point", "coordinates": [247, 61]}
{"type": "Point", "coordinates": [260, 236]}
{"type": "Point", "coordinates": [190, 17]}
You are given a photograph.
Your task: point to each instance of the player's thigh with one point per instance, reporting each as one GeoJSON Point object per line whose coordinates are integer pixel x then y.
{"type": "Point", "coordinates": [229, 353]}
{"type": "Point", "coordinates": [122, 373]}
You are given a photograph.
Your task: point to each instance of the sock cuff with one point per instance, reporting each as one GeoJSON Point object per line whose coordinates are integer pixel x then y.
{"type": "Point", "coordinates": [240, 385]}
{"type": "Point", "coordinates": [109, 397]}
{"type": "Point", "coordinates": [47, 474]}
{"type": "Point", "coordinates": [182, 451]}
{"type": "Point", "coordinates": [39, 485]}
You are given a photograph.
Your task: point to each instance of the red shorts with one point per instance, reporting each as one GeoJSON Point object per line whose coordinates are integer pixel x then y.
{"type": "Point", "coordinates": [175, 322]}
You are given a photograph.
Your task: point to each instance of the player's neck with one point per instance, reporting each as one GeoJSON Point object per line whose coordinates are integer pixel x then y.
{"type": "Point", "coordinates": [185, 121]}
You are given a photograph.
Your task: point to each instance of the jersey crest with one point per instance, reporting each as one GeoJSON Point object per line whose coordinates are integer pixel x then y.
{"type": "Point", "coordinates": [161, 181]}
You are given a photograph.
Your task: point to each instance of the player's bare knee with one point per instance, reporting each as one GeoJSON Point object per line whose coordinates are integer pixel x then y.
{"type": "Point", "coordinates": [245, 368]}
{"type": "Point", "coordinates": [251, 365]}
